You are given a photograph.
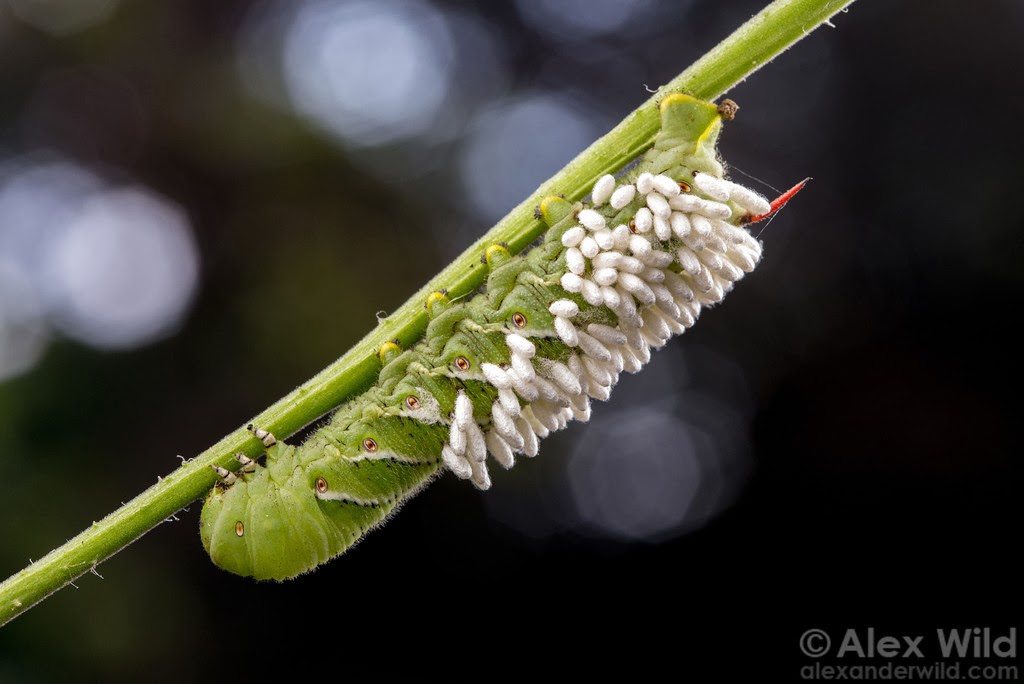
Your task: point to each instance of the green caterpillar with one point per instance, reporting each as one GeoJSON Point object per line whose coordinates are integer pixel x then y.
{"type": "Point", "coordinates": [614, 277]}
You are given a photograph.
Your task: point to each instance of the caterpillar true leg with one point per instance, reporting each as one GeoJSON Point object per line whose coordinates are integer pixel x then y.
{"type": "Point", "coordinates": [268, 439]}
{"type": "Point", "coordinates": [248, 464]}
{"type": "Point", "coordinates": [227, 478]}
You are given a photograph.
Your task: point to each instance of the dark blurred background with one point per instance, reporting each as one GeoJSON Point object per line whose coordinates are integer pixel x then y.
{"type": "Point", "coordinates": [204, 203]}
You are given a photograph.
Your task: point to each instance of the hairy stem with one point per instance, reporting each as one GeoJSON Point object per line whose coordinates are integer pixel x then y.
{"type": "Point", "coordinates": [767, 34]}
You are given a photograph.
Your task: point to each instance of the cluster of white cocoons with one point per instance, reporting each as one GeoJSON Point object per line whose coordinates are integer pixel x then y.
{"type": "Point", "coordinates": [677, 254]}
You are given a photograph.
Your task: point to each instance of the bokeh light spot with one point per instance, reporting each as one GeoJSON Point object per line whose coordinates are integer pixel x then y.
{"type": "Point", "coordinates": [370, 73]}
{"type": "Point", "coordinates": [517, 145]}
{"type": "Point", "coordinates": [123, 272]}
{"type": "Point", "coordinates": [635, 474]}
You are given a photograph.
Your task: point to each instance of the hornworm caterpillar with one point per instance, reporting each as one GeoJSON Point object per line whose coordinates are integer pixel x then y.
{"type": "Point", "coordinates": [614, 278]}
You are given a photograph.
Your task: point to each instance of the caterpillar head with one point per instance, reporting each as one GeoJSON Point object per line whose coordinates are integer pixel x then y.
{"type": "Point", "coordinates": [267, 525]}
{"type": "Point", "coordinates": [313, 502]}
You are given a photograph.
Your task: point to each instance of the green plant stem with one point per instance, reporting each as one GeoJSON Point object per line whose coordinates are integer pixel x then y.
{"type": "Point", "coordinates": [767, 34]}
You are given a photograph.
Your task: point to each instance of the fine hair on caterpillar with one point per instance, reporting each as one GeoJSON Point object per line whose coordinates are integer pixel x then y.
{"type": "Point", "coordinates": [615, 277]}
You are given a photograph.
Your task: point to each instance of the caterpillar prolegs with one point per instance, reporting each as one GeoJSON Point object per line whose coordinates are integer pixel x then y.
{"type": "Point", "coordinates": [615, 277]}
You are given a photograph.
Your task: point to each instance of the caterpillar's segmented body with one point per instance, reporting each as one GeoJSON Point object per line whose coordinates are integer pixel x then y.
{"type": "Point", "coordinates": [614, 278]}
